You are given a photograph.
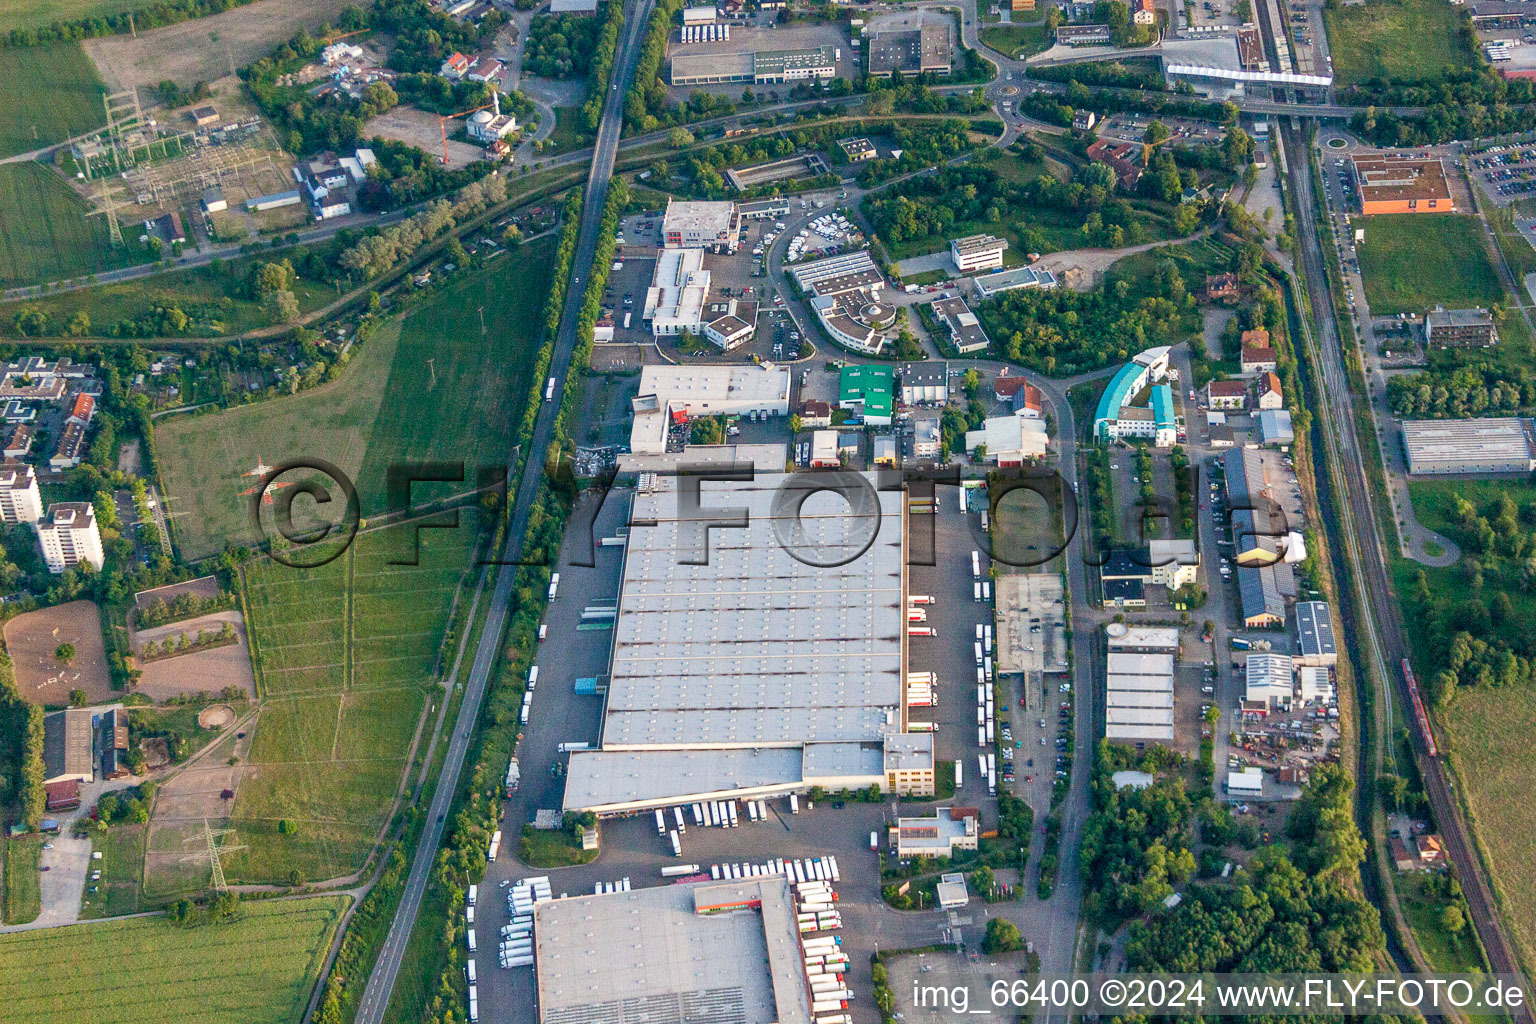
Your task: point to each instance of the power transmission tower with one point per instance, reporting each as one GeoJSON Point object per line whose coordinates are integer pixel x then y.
{"type": "Point", "coordinates": [210, 837]}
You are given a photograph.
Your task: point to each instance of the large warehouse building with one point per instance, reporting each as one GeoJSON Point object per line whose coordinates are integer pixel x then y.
{"type": "Point", "coordinates": [764, 67]}
{"type": "Point", "coordinates": [1138, 702]}
{"type": "Point", "coordinates": [671, 393]}
{"type": "Point", "coordinates": [1492, 445]}
{"type": "Point", "coordinates": [710, 951]}
{"type": "Point", "coordinates": [756, 661]}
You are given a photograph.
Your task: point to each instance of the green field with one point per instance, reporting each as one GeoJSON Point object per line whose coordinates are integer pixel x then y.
{"type": "Point", "coordinates": [347, 654]}
{"type": "Point", "coordinates": [430, 388]}
{"type": "Point", "coordinates": [36, 14]}
{"type": "Point", "coordinates": [1395, 39]}
{"type": "Point", "coordinates": [216, 301]}
{"type": "Point", "coordinates": [52, 93]}
{"type": "Point", "coordinates": [1017, 41]}
{"type": "Point", "coordinates": [257, 969]}
{"type": "Point", "coordinates": [1412, 261]}
{"type": "Point", "coordinates": [1453, 954]}
{"type": "Point", "coordinates": [122, 864]}
{"type": "Point", "coordinates": [45, 234]}
{"type": "Point", "coordinates": [23, 894]}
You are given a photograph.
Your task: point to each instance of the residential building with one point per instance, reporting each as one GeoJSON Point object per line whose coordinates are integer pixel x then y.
{"type": "Point", "coordinates": [670, 394]}
{"type": "Point", "coordinates": [1459, 328]}
{"type": "Point", "coordinates": [83, 409]}
{"type": "Point", "coordinates": [16, 411]}
{"type": "Point", "coordinates": [166, 228]}
{"type": "Point", "coordinates": [977, 252]}
{"type": "Point", "coordinates": [950, 829]}
{"type": "Point", "coordinates": [1143, 12]}
{"type": "Point", "coordinates": [1389, 183]}
{"type": "Point", "coordinates": [20, 499]}
{"type": "Point", "coordinates": [1314, 635]}
{"type": "Point", "coordinates": [1270, 395]}
{"type": "Point", "coordinates": [926, 49]}
{"type": "Point", "coordinates": [965, 330]}
{"type": "Point", "coordinates": [19, 443]}
{"type": "Point", "coordinates": [69, 536]}
{"type": "Point", "coordinates": [70, 451]}
{"type": "Point", "coordinates": [1010, 441]}
{"type": "Point", "coordinates": [925, 383]}
{"type": "Point", "coordinates": [701, 225]}
{"type": "Point", "coordinates": [1175, 563]}
{"type": "Point", "coordinates": [815, 413]}
{"type": "Point", "coordinates": [1257, 359]}
{"type": "Point", "coordinates": [1221, 287]}
{"type": "Point", "coordinates": [1222, 436]}
{"type": "Point", "coordinates": [1226, 394]}
{"type": "Point", "coordinates": [867, 390]}
{"type": "Point", "coordinates": [1123, 157]}
{"type": "Point", "coordinates": [674, 303]}
{"type": "Point", "coordinates": [1486, 445]}
{"type": "Point", "coordinates": [1084, 120]}
{"type": "Point", "coordinates": [456, 66]}
{"type": "Point", "coordinates": [329, 184]}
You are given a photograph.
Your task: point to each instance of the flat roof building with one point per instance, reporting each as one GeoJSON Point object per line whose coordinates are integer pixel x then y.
{"type": "Point", "coordinates": [989, 285]}
{"type": "Point", "coordinates": [755, 661]}
{"type": "Point", "coordinates": [674, 302]}
{"type": "Point", "coordinates": [764, 67]}
{"type": "Point", "coordinates": [950, 829]}
{"type": "Point", "coordinates": [1138, 694]}
{"type": "Point", "coordinates": [965, 330]}
{"type": "Point", "coordinates": [1488, 445]}
{"type": "Point", "coordinates": [925, 383]}
{"type": "Point", "coordinates": [1010, 440]}
{"type": "Point", "coordinates": [869, 390]}
{"type": "Point", "coordinates": [927, 49]}
{"type": "Point", "coordinates": [1267, 679]}
{"type": "Point", "coordinates": [702, 225]}
{"type": "Point", "coordinates": [1459, 328]}
{"type": "Point", "coordinates": [1263, 591]}
{"type": "Point", "coordinates": [1398, 184]}
{"type": "Point", "coordinates": [1083, 35]}
{"type": "Point", "coordinates": [716, 951]}
{"type": "Point", "coordinates": [21, 501]}
{"type": "Point", "coordinates": [977, 252]}
{"type": "Point", "coordinates": [668, 392]}
{"type": "Point", "coordinates": [1122, 637]}
{"type": "Point", "coordinates": [838, 274]}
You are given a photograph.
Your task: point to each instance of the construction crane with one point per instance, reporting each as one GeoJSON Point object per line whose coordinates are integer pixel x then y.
{"type": "Point", "coordinates": [442, 122]}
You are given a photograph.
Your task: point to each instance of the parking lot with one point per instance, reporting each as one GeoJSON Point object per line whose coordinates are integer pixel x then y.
{"type": "Point", "coordinates": [1508, 171]}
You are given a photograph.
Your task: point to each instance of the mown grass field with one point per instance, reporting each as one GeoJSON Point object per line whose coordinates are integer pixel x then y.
{"type": "Point", "coordinates": [38, 13]}
{"type": "Point", "coordinates": [431, 387]}
{"type": "Point", "coordinates": [347, 652]}
{"type": "Point", "coordinates": [23, 892]}
{"type": "Point", "coordinates": [52, 93]}
{"type": "Point", "coordinates": [1017, 41]}
{"type": "Point", "coordinates": [1401, 39]}
{"type": "Point", "coordinates": [257, 969]}
{"type": "Point", "coordinates": [1411, 262]}
{"type": "Point", "coordinates": [45, 234]}
{"type": "Point", "coordinates": [122, 867]}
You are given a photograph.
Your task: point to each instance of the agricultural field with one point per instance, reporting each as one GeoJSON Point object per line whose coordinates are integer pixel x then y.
{"type": "Point", "coordinates": [45, 234]}
{"type": "Point", "coordinates": [1412, 40]}
{"type": "Point", "coordinates": [23, 896]}
{"type": "Point", "coordinates": [1490, 733]}
{"type": "Point", "coordinates": [1398, 248]}
{"type": "Point", "coordinates": [256, 969]}
{"type": "Point", "coordinates": [122, 862]}
{"type": "Point", "coordinates": [347, 655]}
{"type": "Point", "coordinates": [430, 387]}
{"type": "Point", "coordinates": [52, 93]}
{"type": "Point", "coordinates": [38, 14]}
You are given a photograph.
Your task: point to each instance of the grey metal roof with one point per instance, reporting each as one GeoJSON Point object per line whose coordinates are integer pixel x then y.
{"type": "Point", "coordinates": [1314, 629]}
{"type": "Point", "coordinates": [672, 954]}
{"type": "Point", "coordinates": [1260, 591]}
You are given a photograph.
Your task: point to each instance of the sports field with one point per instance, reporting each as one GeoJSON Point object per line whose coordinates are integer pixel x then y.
{"type": "Point", "coordinates": [347, 655]}
{"type": "Point", "coordinates": [433, 387]}
{"type": "Point", "coordinates": [1400, 250]}
{"type": "Point", "coordinates": [45, 234]}
{"type": "Point", "coordinates": [256, 969]}
{"type": "Point", "coordinates": [1395, 39]}
{"type": "Point", "coordinates": [52, 93]}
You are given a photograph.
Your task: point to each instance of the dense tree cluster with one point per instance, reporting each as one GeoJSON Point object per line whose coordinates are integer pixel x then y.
{"type": "Point", "coordinates": [560, 45]}
{"type": "Point", "coordinates": [377, 252]}
{"type": "Point", "coordinates": [1477, 390]}
{"type": "Point", "coordinates": [1064, 332]}
{"type": "Point", "coordinates": [601, 69]}
{"type": "Point", "coordinates": [21, 750]}
{"type": "Point", "coordinates": [1136, 843]}
{"type": "Point", "coordinates": [425, 35]}
{"type": "Point", "coordinates": [1136, 73]}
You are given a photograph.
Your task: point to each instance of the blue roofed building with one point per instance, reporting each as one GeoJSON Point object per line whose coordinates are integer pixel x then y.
{"type": "Point", "coordinates": [1117, 418]}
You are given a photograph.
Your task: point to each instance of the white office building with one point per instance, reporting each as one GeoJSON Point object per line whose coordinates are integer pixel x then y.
{"type": "Point", "coordinates": [69, 536]}
{"type": "Point", "coordinates": [674, 302]}
{"type": "Point", "coordinates": [691, 390]}
{"type": "Point", "coordinates": [977, 252]}
{"type": "Point", "coordinates": [20, 500]}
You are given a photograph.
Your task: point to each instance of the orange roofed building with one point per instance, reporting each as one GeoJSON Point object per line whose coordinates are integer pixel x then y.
{"type": "Point", "coordinates": [1391, 184]}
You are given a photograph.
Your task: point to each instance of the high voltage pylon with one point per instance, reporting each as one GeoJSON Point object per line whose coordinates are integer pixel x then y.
{"type": "Point", "coordinates": [210, 837]}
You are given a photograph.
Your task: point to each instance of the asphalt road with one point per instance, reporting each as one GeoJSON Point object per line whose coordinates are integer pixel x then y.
{"type": "Point", "coordinates": [1383, 630]}
{"type": "Point", "coordinates": [381, 981]}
